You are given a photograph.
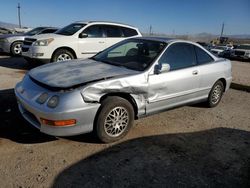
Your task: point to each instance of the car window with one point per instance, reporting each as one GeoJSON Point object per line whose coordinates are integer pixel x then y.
{"type": "Point", "coordinates": [70, 29]}
{"type": "Point", "coordinates": [202, 56]}
{"type": "Point", "coordinates": [34, 31]}
{"type": "Point", "coordinates": [132, 54]}
{"type": "Point", "coordinates": [113, 31]}
{"type": "Point", "coordinates": [127, 32]}
{"type": "Point", "coordinates": [94, 31]}
{"type": "Point", "coordinates": [48, 31]}
{"type": "Point", "coordinates": [178, 56]}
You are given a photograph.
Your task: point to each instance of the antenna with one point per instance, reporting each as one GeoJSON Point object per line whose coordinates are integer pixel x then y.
{"type": "Point", "coordinates": [19, 18]}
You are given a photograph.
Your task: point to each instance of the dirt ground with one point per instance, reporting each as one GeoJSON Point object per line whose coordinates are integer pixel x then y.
{"type": "Point", "coordinates": [191, 146]}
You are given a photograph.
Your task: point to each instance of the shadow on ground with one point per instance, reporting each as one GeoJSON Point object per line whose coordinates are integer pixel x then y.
{"type": "Point", "coordinates": [17, 63]}
{"type": "Point", "coordinates": [213, 158]}
{"type": "Point", "coordinates": [12, 124]}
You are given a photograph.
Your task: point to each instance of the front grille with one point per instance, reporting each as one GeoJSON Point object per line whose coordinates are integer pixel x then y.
{"type": "Point", "coordinates": [239, 53]}
{"type": "Point", "coordinates": [28, 41]}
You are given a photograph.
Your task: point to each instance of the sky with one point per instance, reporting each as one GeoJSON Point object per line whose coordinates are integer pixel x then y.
{"type": "Point", "coordinates": [165, 16]}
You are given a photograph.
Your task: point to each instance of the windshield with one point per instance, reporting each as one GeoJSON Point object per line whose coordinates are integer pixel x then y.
{"type": "Point", "coordinates": [34, 31]}
{"type": "Point", "coordinates": [245, 47]}
{"type": "Point", "coordinates": [135, 54]}
{"type": "Point", "coordinates": [70, 29]}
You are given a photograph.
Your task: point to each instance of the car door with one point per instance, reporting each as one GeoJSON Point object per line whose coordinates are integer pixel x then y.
{"type": "Point", "coordinates": [177, 86]}
{"type": "Point", "coordinates": [92, 42]}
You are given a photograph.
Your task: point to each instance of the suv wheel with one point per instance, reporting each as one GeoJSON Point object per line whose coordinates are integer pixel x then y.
{"type": "Point", "coordinates": [115, 118]}
{"type": "Point", "coordinates": [62, 55]}
{"type": "Point", "coordinates": [16, 48]}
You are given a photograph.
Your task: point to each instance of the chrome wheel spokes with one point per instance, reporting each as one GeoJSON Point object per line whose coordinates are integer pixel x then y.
{"type": "Point", "coordinates": [116, 121]}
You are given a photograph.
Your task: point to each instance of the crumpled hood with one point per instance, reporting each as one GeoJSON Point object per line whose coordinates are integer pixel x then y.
{"type": "Point", "coordinates": [71, 73]}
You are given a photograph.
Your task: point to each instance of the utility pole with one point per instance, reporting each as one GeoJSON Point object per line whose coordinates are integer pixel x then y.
{"type": "Point", "coordinates": [222, 29]}
{"type": "Point", "coordinates": [19, 18]}
{"type": "Point", "coordinates": [150, 30]}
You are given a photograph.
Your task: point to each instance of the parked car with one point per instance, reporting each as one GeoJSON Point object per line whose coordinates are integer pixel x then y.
{"type": "Point", "coordinates": [11, 43]}
{"type": "Point", "coordinates": [219, 50]}
{"type": "Point", "coordinates": [132, 79]}
{"type": "Point", "coordinates": [77, 40]}
{"type": "Point", "coordinates": [241, 52]}
{"type": "Point", "coordinates": [5, 31]}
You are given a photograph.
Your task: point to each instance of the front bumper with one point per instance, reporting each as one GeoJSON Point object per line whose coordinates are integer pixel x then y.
{"type": "Point", "coordinates": [33, 113]}
{"type": "Point", "coordinates": [37, 53]}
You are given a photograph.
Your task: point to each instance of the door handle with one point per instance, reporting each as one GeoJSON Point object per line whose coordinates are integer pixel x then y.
{"type": "Point", "coordinates": [101, 42]}
{"type": "Point", "coordinates": [195, 72]}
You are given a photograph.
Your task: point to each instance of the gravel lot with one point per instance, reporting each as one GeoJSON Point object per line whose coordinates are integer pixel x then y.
{"type": "Point", "coordinates": [189, 146]}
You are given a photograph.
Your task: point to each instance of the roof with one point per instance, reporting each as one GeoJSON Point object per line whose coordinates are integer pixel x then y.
{"type": "Point", "coordinates": [104, 22]}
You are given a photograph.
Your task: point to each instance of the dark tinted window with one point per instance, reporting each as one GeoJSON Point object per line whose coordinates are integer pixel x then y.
{"type": "Point", "coordinates": [94, 31]}
{"type": "Point", "coordinates": [34, 31]}
{"type": "Point", "coordinates": [70, 29]}
{"type": "Point", "coordinates": [179, 55]}
{"type": "Point", "coordinates": [202, 56]}
{"type": "Point", "coordinates": [113, 31]}
{"type": "Point", "coordinates": [48, 31]}
{"type": "Point", "coordinates": [127, 32]}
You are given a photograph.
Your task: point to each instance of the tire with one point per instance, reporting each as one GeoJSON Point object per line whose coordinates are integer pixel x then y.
{"type": "Point", "coordinates": [16, 48]}
{"type": "Point", "coordinates": [62, 55]}
{"type": "Point", "coordinates": [215, 94]}
{"type": "Point", "coordinates": [110, 127]}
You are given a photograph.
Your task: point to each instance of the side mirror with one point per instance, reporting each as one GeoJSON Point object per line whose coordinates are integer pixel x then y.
{"type": "Point", "coordinates": [159, 68]}
{"type": "Point", "coordinates": [83, 35]}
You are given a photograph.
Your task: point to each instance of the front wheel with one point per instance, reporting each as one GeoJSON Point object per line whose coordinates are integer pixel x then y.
{"type": "Point", "coordinates": [215, 94]}
{"type": "Point", "coordinates": [62, 55]}
{"type": "Point", "coordinates": [115, 118]}
{"type": "Point", "coordinates": [16, 48]}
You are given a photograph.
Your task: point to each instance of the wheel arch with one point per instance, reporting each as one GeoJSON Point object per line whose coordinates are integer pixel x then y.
{"type": "Point", "coordinates": [223, 80]}
{"type": "Point", "coordinates": [125, 96]}
{"type": "Point", "coordinates": [65, 48]}
{"type": "Point", "coordinates": [11, 45]}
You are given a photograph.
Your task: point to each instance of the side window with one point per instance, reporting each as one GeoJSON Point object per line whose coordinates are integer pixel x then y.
{"type": "Point", "coordinates": [94, 31]}
{"type": "Point", "coordinates": [202, 56]}
{"type": "Point", "coordinates": [113, 31]}
{"type": "Point", "coordinates": [178, 56]}
{"type": "Point", "coordinates": [127, 32]}
{"type": "Point", "coordinates": [48, 31]}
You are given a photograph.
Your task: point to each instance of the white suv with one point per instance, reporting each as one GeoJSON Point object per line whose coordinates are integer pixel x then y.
{"type": "Point", "coordinates": [77, 40]}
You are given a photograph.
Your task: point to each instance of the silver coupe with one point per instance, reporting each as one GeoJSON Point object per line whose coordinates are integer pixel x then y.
{"type": "Point", "coordinates": [131, 79]}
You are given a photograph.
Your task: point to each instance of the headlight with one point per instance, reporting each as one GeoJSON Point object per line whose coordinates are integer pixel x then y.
{"type": "Point", "coordinates": [44, 42]}
{"type": "Point", "coordinates": [42, 98]}
{"type": "Point", "coordinates": [53, 101]}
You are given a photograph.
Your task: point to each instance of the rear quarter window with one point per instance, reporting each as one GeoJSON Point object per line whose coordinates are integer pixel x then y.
{"type": "Point", "coordinates": [202, 56]}
{"type": "Point", "coordinates": [127, 32]}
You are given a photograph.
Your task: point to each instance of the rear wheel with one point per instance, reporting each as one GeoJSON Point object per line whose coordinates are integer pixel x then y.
{"type": "Point", "coordinates": [62, 55]}
{"type": "Point", "coordinates": [115, 118]}
{"type": "Point", "coordinates": [215, 94]}
{"type": "Point", "coordinates": [16, 48]}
